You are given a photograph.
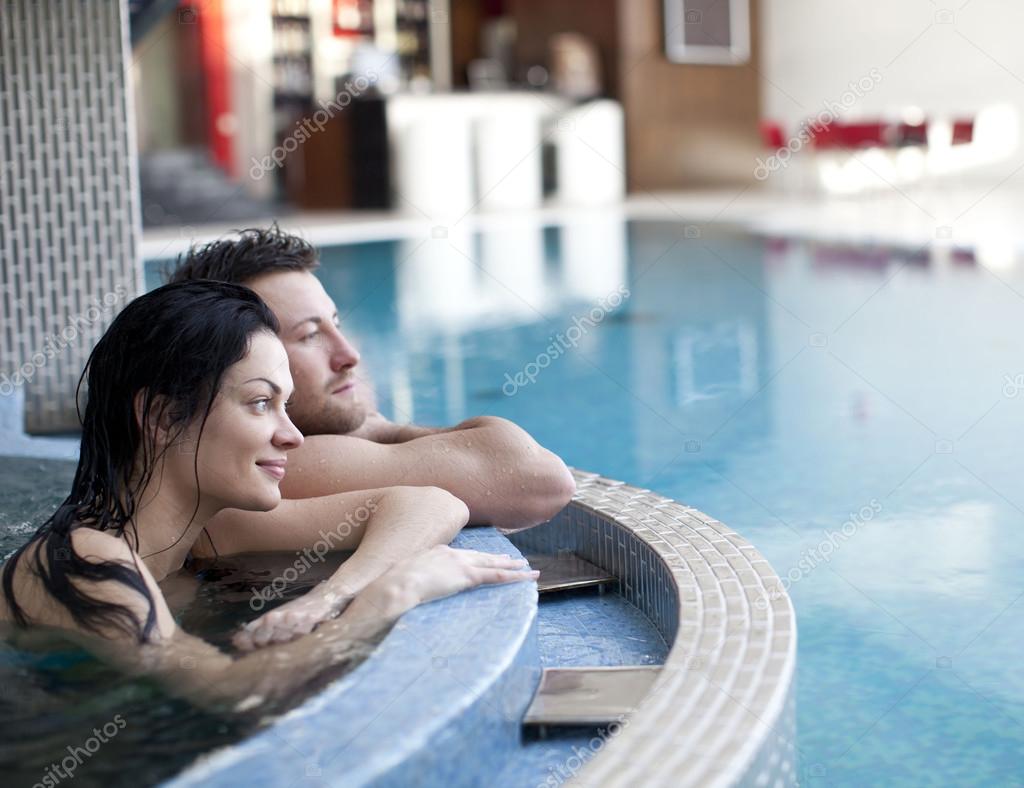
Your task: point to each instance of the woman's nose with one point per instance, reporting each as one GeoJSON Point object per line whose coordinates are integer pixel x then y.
{"type": "Point", "coordinates": [288, 436]}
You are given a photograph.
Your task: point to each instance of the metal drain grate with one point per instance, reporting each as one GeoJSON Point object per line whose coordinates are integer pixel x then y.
{"type": "Point", "coordinates": [589, 696]}
{"type": "Point", "coordinates": [565, 571]}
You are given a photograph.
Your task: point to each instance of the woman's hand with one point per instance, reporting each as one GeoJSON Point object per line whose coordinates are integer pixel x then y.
{"type": "Point", "coordinates": [439, 572]}
{"type": "Point", "coordinates": [286, 622]}
{"type": "Point", "coordinates": [442, 571]}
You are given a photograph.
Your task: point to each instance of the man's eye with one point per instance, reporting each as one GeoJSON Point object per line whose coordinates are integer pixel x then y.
{"type": "Point", "coordinates": [288, 404]}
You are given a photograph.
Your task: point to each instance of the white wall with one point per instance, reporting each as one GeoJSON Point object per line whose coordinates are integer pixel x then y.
{"type": "Point", "coordinates": [813, 49]}
{"type": "Point", "coordinates": [249, 43]}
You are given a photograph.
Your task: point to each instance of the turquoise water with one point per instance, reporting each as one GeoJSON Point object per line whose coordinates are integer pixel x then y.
{"type": "Point", "coordinates": [790, 390]}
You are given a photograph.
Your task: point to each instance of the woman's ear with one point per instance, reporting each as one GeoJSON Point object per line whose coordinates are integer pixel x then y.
{"type": "Point", "coordinates": [152, 417]}
{"type": "Point", "coordinates": [139, 403]}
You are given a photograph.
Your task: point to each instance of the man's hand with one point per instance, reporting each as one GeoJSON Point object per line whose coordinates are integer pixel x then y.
{"type": "Point", "coordinates": [378, 429]}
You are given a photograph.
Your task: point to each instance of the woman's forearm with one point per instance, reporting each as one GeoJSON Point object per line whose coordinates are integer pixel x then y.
{"type": "Point", "coordinates": [407, 521]}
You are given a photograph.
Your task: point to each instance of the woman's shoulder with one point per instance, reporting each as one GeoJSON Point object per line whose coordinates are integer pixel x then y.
{"type": "Point", "coordinates": [94, 545]}
{"type": "Point", "coordinates": [87, 543]}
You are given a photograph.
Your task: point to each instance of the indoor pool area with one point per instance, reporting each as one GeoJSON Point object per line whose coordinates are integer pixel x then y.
{"type": "Point", "coordinates": [811, 395]}
{"type": "Point", "coordinates": [511, 393]}
{"type": "Point", "coordinates": [850, 409]}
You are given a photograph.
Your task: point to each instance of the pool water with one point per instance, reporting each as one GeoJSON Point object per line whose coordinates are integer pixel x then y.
{"type": "Point", "coordinates": [853, 411]}
{"type": "Point", "coordinates": [54, 696]}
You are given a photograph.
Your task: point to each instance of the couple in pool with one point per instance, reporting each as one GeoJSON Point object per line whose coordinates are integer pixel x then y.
{"type": "Point", "coordinates": [224, 415]}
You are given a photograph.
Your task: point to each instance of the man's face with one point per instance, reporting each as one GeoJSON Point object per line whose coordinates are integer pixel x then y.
{"type": "Point", "coordinates": [322, 362]}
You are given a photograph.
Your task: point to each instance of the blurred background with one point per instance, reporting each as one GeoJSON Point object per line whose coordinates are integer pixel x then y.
{"type": "Point", "coordinates": [249, 108]}
{"type": "Point", "coordinates": [796, 222]}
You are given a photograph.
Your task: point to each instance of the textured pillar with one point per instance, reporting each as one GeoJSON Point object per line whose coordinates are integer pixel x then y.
{"type": "Point", "coordinates": [69, 207]}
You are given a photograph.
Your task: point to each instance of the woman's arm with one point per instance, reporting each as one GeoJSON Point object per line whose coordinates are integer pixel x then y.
{"type": "Point", "coordinates": [194, 669]}
{"type": "Point", "coordinates": [405, 522]}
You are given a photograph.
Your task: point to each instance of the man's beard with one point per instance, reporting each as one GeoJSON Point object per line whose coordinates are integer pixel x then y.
{"type": "Point", "coordinates": [327, 418]}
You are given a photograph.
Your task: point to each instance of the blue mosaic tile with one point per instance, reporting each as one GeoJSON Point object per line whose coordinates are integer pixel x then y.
{"type": "Point", "coordinates": [443, 695]}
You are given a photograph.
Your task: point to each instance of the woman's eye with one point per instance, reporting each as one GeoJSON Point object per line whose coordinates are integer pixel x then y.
{"type": "Point", "coordinates": [309, 336]}
{"type": "Point", "coordinates": [261, 405]}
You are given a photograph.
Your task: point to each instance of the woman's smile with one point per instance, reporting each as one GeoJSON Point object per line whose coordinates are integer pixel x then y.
{"type": "Point", "coordinates": [273, 468]}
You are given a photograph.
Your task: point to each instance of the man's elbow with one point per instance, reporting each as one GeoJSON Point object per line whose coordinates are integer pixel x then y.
{"type": "Point", "coordinates": [551, 488]}
{"type": "Point", "coordinates": [557, 490]}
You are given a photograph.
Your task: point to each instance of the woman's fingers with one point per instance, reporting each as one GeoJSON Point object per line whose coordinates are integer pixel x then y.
{"type": "Point", "coordinates": [479, 558]}
{"type": "Point", "coordinates": [495, 576]}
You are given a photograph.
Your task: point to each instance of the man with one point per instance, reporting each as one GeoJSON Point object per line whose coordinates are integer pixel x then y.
{"type": "Point", "coordinates": [505, 477]}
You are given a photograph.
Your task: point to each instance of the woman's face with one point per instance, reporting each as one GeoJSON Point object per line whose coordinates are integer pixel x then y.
{"type": "Point", "coordinates": [244, 443]}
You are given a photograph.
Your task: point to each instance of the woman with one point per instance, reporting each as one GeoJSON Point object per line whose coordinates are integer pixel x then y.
{"type": "Point", "coordinates": [185, 418]}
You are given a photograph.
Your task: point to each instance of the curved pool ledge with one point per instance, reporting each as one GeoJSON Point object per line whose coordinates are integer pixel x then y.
{"type": "Point", "coordinates": [438, 702]}
{"type": "Point", "coordinates": [721, 712]}
{"type": "Point", "coordinates": [441, 699]}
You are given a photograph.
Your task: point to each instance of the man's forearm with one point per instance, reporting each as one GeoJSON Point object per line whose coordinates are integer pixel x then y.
{"type": "Point", "coordinates": [505, 477]}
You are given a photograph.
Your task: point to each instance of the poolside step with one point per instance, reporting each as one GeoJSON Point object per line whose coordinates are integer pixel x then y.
{"type": "Point", "coordinates": [565, 571]}
{"type": "Point", "coordinates": [589, 696]}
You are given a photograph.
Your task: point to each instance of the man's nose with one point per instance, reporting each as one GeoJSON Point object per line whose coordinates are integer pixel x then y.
{"type": "Point", "coordinates": [343, 354]}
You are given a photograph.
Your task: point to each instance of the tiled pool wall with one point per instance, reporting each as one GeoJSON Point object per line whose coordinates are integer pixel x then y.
{"type": "Point", "coordinates": [439, 702]}
{"type": "Point", "coordinates": [722, 710]}
{"type": "Point", "coordinates": [69, 204]}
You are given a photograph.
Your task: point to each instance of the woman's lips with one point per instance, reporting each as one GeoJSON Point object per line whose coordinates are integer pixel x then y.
{"type": "Point", "coordinates": [273, 469]}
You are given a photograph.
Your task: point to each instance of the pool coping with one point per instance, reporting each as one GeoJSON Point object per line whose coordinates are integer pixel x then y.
{"type": "Point", "coordinates": [722, 710]}
{"type": "Point", "coordinates": [440, 698]}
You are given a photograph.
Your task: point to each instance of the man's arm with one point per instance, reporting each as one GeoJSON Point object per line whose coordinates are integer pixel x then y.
{"type": "Point", "coordinates": [378, 429]}
{"type": "Point", "coordinates": [505, 477]}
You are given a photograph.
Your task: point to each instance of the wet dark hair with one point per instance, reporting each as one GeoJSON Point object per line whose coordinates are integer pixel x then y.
{"type": "Point", "coordinates": [173, 345]}
{"type": "Point", "coordinates": [253, 253]}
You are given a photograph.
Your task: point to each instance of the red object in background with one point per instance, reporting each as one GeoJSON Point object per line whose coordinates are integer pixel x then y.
{"type": "Point", "coordinates": [352, 17]}
{"type": "Point", "coordinates": [963, 132]}
{"type": "Point", "coordinates": [771, 134]}
{"type": "Point", "coordinates": [860, 135]}
{"type": "Point", "coordinates": [912, 134]}
{"type": "Point", "coordinates": [824, 135]}
{"type": "Point", "coordinates": [209, 18]}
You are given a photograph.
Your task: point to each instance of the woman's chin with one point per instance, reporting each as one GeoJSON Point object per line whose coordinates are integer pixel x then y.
{"type": "Point", "coordinates": [258, 501]}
